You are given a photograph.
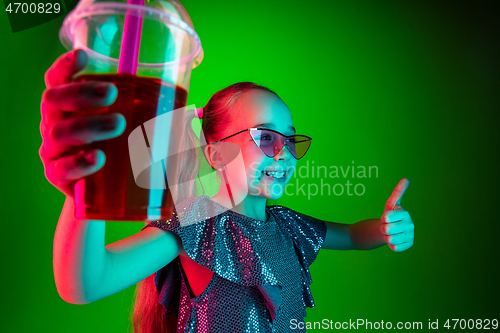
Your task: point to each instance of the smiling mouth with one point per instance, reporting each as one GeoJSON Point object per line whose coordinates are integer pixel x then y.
{"type": "Point", "coordinates": [275, 174]}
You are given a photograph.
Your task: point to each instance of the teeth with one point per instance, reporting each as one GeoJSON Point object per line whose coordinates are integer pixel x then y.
{"type": "Point", "coordinates": [275, 174]}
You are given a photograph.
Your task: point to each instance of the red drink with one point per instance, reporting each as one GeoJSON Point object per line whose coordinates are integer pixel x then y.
{"type": "Point", "coordinates": [111, 193]}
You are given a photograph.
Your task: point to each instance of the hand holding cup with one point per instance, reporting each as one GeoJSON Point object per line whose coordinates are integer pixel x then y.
{"type": "Point", "coordinates": [64, 137]}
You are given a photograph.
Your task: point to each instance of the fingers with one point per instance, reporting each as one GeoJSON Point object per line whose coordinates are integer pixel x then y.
{"type": "Point", "coordinates": [399, 232]}
{"type": "Point", "coordinates": [84, 130]}
{"type": "Point", "coordinates": [60, 131]}
{"type": "Point", "coordinates": [396, 228]}
{"type": "Point", "coordinates": [68, 169]}
{"type": "Point", "coordinates": [391, 216]}
{"type": "Point", "coordinates": [396, 221]}
{"type": "Point", "coordinates": [400, 238]}
{"type": "Point", "coordinates": [63, 95]}
{"type": "Point", "coordinates": [397, 194]}
{"type": "Point", "coordinates": [67, 65]}
{"type": "Point", "coordinates": [73, 97]}
{"type": "Point", "coordinates": [400, 247]}
{"type": "Point", "coordinates": [80, 95]}
{"type": "Point", "coordinates": [80, 131]}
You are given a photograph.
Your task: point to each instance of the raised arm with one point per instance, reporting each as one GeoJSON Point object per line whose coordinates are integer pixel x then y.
{"type": "Point", "coordinates": [85, 270]}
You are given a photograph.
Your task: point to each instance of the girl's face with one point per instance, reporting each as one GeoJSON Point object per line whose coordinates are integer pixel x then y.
{"type": "Point", "coordinates": [259, 108]}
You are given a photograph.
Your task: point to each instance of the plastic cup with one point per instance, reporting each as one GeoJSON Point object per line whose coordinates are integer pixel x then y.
{"type": "Point", "coordinates": [169, 48]}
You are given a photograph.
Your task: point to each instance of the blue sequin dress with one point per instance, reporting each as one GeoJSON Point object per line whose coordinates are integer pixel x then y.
{"type": "Point", "coordinates": [261, 269]}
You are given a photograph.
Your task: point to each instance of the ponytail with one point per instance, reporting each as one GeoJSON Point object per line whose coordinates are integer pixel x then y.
{"type": "Point", "coordinates": [149, 316]}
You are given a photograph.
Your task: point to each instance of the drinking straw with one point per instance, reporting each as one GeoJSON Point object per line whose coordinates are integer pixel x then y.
{"type": "Point", "coordinates": [129, 52]}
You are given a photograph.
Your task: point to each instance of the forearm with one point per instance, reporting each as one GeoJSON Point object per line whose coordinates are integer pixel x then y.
{"type": "Point", "coordinates": [79, 256]}
{"type": "Point", "coordinates": [366, 235]}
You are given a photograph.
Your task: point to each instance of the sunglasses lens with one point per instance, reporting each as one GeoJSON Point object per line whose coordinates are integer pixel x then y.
{"type": "Point", "coordinates": [271, 143]}
{"type": "Point", "coordinates": [298, 145]}
{"type": "Point", "coordinates": [266, 141]}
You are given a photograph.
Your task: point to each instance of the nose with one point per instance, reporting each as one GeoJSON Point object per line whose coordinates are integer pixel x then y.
{"type": "Point", "coordinates": [283, 154]}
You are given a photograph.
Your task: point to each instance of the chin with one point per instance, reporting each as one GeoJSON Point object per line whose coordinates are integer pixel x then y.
{"type": "Point", "coordinates": [275, 197]}
{"type": "Point", "coordinates": [274, 192]}
{"type": "Point", "coordinates": [266, 190]}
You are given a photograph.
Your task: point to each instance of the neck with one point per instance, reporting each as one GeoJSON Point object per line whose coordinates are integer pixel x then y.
{"type": "Point", "coordinates": [252, 206]}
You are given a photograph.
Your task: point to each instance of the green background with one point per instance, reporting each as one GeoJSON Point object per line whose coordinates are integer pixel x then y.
{"type": "Point", "coordinates": [410, 87]}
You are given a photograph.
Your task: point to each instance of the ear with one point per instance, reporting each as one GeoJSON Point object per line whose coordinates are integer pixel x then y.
{"type": "Point", "coordinates": [211, 155]}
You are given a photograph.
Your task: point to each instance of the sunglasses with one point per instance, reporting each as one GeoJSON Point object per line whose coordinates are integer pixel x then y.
{"type": "Point", "coordinates": [271, 142]}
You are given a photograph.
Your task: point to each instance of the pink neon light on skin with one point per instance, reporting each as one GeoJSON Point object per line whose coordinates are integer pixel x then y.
{"type": "Point", "coordinates": [129, 53]}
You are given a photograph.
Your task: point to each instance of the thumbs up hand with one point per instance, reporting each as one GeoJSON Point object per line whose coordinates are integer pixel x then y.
{"type": "Point", "coordinates": [397, 226]}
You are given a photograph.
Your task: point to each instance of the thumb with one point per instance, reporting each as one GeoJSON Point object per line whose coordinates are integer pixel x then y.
{"type": "Point", "coordinates": [396, 196]}
{"type": "Point", "coordinates": [63, 69]}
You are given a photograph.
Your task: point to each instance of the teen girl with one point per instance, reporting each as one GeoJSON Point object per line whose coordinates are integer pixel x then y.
{"type": "Point", "coordinates": [243, 269]}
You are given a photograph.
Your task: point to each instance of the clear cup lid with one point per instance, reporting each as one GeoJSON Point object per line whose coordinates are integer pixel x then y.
{"type": "Point", "coordinates": [171, 11]}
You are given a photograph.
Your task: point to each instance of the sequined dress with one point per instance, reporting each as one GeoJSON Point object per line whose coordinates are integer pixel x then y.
{"type": "Point", "coordinates": [261, 269]}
